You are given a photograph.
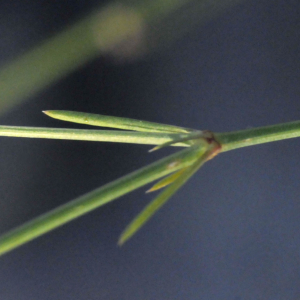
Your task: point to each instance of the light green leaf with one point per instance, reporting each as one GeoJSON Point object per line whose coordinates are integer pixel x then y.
{"type": "Point", "coordinates": [164, 196]}
{"type": "Point", "coordinates": [113, 122]}
{"type": "Point", "coordinates": [189, 137]}
{"type": "Point", "coordinates": [165, 181]}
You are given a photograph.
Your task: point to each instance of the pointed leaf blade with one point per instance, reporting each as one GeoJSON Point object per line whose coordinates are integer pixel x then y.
{"type": "Point", "coordinates": [94, 199]}
{"type": "Point", "coordinates": [166, 181]}
{"type": "Point", "coordinates": [113, 122]}
{"type": "Point", "coordinates": [162, 198]}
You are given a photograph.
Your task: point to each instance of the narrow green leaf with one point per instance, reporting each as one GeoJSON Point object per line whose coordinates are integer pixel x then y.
{"type": "Point", "coordinates": [164, 196]}
{"type": "Point", "coordinates": [166, 181]}
{"type": "Point", "coordinates": [113, 122]}
{"type": "Point", "coordinates": [189, 137]}
{"type": "Point", "coordinates": [96, 198]}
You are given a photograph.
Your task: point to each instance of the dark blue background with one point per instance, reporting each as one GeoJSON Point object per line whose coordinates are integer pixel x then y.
{"type": "Point", "coordinates": [232, 232]}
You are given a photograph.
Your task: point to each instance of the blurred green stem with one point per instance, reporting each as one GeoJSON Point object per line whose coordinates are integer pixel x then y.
{"type": "Point", "coordinates": [50, 61]}
{"type": "Point", "coordinates": [136, 23]}
{"type": "Point", "coordinates": [60, 55]}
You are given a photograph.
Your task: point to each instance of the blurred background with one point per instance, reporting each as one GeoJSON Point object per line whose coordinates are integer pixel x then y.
{"type": "Point", "coordinates": [233, 231]}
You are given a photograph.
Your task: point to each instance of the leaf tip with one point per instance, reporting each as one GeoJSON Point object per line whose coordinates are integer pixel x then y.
{"type": "Point", "coordinates": [49, 113]}
{"type": "Point", "coordinates": [153, 149]}
{"type": "Point", "coordinates": [122, 240]}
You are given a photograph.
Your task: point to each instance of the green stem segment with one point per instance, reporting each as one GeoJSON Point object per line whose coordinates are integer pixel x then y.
{"type": "Point", "coordinates": [249, 137]}
{"type": "Point", "coordinates": [116, 136]}
{"type": "Point", "coordinates": [52, 60]}
{"type": "Point", "coordinates": [228, 140]}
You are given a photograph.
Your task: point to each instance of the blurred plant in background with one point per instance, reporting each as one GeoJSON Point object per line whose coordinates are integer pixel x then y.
{"type": "Point", "coordinates": [123, 30]}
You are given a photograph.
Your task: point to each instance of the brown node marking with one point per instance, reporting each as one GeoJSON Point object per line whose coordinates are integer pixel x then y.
{"type": "Point", "coordinates": [210, 138]}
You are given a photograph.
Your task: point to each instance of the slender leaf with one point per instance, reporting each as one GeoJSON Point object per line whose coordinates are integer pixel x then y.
{"type": "Point", "coordinates": [164, 196]}
{"type": "Point", "coordinates": [96, 198]}
{"type": "Point", "coordinates": [113, 122]}
{"type": "Point", "coordinates": [166, 181]}
{"type": "Point", "coordinates": [189, 137]}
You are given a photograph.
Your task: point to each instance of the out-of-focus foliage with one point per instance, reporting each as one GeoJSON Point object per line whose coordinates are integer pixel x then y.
{"type": "Point", "coordinates": [123, 30]}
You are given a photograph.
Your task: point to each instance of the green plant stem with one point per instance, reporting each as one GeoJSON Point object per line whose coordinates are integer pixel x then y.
{"type": "Point", "coordinates": [94, 199]}
{"type": "Point", "coordinates": [135, 22]}
{"type": "Point", "coordinates": [113, 190]}
{"type": "Point", "coordinates": [260, 135]}
{"type": "Point", "coordinates": [116, 136]}
{"type": "Point", "coordinates": [228, 140]}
